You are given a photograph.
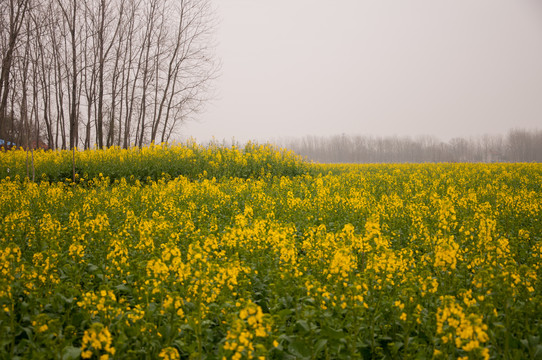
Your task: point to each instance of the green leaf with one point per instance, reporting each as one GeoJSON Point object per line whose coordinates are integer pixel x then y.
{"type": "Point", "coordinates": [284, 312]}
{"type": "Point", "coordinates": [91, 268]}
{"type": "Point", "coordinates": [299, 349]}
{"type": "Point", "coordinates": [320, 345]}
{"type": "Point", "coordinates": [302, 326]}
{"type": "Point", "coordinates": [332, 333]}
{"type": "Point", "coordinates": [123, 287]}
{"type": "Point", "coordinates": [70, 352]}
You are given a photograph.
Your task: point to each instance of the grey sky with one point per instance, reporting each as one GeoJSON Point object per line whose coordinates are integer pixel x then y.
{"type": "Point", "coordinates": [382, 67]}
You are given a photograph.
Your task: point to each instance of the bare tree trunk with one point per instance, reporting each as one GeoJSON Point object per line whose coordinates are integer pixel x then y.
{"type": "Point", "coordinates": [25, 127]}
{"type": "Point", "coordinates": [73, 113]}
{"type": "Point", "coordinates": [70, 13]}
{"type": "Point", "coordinates": [16, 10]}
{"type": "Point", "coordinates": [101, 60]}
{"type": "Point", "coordinates": [131, 83]}
{"type": "Point", "coordinates": [171, 77]}
{"type": "Point", "coordinates": [151, 21]}
{"type": "Point", "coordinates": [59, 97]}
{"type": "Point", "coordinates": [35, 106]}
{"type": "Point", "coordinates": [43, 73]}
{"type": "Point", "coordinates": [89, 77]}
{"type": "Point", "coordinates": [105, 46]}
{"type": "Point", "coordinates": [115, 75]}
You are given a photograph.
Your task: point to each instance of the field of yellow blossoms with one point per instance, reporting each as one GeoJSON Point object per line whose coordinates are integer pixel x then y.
{"type": "Point", "coordinates": [172, 252]}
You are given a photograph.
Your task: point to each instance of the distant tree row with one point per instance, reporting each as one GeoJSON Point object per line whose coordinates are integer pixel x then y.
{"type": "Point", "coordinates": [516, 146]}
{"type": "Point", "coordinates": [102, 72]}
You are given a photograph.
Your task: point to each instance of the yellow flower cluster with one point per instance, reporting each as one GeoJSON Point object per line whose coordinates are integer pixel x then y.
{"type": "Point", "coordinates": [41, 323]}
{"type": "Point", "coordinates": [10, 256]}
{"type": "Point", "coordinates": [395, 260]}
{"type": "Point", "coordinates": [190, 159]}
{"type": "Point", "coordinates": [466, 331]}
{"type": "Point", "coordinates": [446, 253]}
{"type": "Point", "coordinates": [169, 353]}
{"type": "Point", "coordinates": [341, 264]}
{"type": "Point", "coordinates": [76, 251]}
{"type": "Point", "coordinates": [97, 341]}
{"type": "Point", "coordinates": [250, 324]}
{"type": "Point", "coordinates": [174, 304]}
{"type": "Point", "coordinates": [101, 303]}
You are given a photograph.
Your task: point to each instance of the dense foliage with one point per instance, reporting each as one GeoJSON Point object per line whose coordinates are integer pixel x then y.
{"type": "Point", "coordinates": [369, 261]}
{"type": "Point", "coordinates": [153, 162]}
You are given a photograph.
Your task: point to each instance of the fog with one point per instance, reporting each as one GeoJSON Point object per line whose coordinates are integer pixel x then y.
{"type": "Point", "coordinates": [451, 68]}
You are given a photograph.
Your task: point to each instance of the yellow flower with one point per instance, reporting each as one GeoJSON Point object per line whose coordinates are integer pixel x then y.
{"type": "Point", "coordinates": [169, 353]}
{"type": "Point", "coordinates": [95, 339]}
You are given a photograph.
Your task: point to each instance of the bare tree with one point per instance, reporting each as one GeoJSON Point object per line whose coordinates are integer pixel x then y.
{"type": "Point", "coordinates": [190, 67]}
{"type": "Point", "coordinates": [517, 146]}
{"type": "Point", "coordinates": [43, 71]}
{"type": "Point", "coordinates": [124, 71]}
{"type": "Point", "coordinates": [12, 19]}
{"type": "Point", "coordinates": [70, 10]}
{"type": "Point", "coordinates": [103, 28]}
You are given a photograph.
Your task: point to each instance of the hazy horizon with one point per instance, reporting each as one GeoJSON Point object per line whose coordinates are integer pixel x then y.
{"type": "Point", "coordinates": [388, 68]}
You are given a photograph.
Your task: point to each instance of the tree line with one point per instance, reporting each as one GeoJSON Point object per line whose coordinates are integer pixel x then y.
{"type": "Point", "coordinates": [80, 73]}
{"type": "Point", "coordinates": [516, 146]}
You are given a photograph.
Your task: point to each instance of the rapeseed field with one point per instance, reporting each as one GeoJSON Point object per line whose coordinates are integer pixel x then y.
{"type": "Point", "coordinates": [171, 252]}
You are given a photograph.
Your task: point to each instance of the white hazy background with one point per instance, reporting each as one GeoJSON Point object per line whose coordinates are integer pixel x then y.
{"type": "Point", "coordinates": [448, 68]}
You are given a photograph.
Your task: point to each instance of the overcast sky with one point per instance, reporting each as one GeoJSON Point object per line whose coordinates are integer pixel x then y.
{"type": "Point", "coordinates": [374, 67]}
